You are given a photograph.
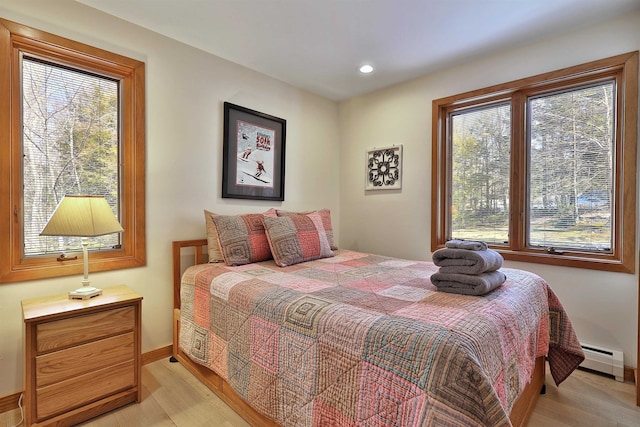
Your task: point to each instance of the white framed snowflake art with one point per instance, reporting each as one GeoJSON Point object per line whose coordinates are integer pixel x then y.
{"type": "Point", "coordinates": [384, 168]}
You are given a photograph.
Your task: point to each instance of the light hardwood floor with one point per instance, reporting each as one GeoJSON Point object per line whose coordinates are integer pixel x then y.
{"type": "Point", "coordinates": [173, 397]}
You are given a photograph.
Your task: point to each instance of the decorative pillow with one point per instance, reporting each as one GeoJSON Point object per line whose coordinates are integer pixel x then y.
{"type": "Point", "coordinates": [213, 247]}
{"type": "Point", "coordinates": [297, 238]}
{"type": "Point", "coordinates": [325, 214]}
{"type": "Point", "coordinates": [213, 244]}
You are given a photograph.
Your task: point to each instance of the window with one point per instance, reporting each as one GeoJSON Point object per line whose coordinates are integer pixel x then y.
{"type": "Point", "coordinates": [69, 146]}
{"type": "Point", "coordinates": [543, 169]}
{"type": "Point", "coordinates": [74, 124]}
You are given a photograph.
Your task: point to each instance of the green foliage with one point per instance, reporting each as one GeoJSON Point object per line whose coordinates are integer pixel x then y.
{"type": "Point", "coordinates": [480, 162]}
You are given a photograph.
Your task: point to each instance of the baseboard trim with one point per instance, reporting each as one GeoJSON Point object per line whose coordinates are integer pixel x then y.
{"type": "Point", "coordinates": [157, 354]}
{"type": "Point", "coordinates": [10, 402]}
{"type": "Point", "coordinates": [629, 374]}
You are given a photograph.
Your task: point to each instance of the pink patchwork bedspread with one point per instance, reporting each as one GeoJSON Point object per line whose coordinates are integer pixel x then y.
{"type": "Point", "coordinates": [366, 340]}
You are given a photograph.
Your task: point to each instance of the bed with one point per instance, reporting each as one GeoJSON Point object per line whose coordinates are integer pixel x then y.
{"type": "Point", "coordinates": [360, 339]}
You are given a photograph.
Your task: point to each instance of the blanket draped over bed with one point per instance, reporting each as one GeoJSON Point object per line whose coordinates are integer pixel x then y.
{"type": "Point", "coordinates": [361, 339]}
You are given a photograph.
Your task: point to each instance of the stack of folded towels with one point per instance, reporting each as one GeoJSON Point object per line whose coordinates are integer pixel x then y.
{"type": "Point", "coordinates": [467, 267]}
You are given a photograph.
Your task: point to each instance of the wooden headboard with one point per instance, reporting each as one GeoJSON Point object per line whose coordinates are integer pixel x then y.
{"type": "Point", "coordinates": [178, 247]}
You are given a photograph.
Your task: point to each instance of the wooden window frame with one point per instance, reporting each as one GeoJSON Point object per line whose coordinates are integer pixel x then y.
{"type": "Point", "coordinates": [625, 70]}
{"type": "Point", "coordinates": [15, 40]}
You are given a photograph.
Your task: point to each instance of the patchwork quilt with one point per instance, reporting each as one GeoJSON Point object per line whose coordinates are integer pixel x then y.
{"type": "Point", "coordinates": [367, 340]}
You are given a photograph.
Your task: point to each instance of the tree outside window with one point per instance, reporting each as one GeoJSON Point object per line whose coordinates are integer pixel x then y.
{"type": "Point", "coordinates": [70, 146]}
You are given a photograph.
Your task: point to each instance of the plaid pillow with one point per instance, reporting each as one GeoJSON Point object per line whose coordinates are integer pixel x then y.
{"type": "Point", "coordinates": [325, 214]}
{"type": "Point", "coordinates": [242, 238]}
{"type": "Point", "coordinates": [297, 238]}
{"type": "Point", "coordinates": [213, 247]}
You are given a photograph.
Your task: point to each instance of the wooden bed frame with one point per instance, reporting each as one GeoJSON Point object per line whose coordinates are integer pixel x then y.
{"type": "Point", "coordinates": [520, 412]}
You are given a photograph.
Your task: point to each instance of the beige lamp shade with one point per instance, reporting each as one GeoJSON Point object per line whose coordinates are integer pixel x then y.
{"type": "Point", "coordinates": [82, 216]}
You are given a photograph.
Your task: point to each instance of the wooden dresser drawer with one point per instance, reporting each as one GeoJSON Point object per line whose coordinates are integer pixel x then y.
{"type": "Point", "coordinates": [75, 330]}
{"type": "Point", "coordinates": [74, 361]}
{"type": "Point", "coordinates": [78, 391]}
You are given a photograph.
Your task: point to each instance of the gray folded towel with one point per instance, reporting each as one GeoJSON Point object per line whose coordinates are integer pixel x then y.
{"type": "Point", "coordinates": [463, 261]}
{"type": "Point", "coordinates": [472, 245]}
{"type": "Point", "coordinates": [468, 284]}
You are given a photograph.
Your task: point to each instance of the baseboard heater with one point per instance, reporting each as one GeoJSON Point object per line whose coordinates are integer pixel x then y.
{"type": "Point", "coordinates": [607, 361]}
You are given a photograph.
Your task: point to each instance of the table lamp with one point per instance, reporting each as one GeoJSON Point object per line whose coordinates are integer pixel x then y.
{"type": "Point", "coordinates": [83, 216]}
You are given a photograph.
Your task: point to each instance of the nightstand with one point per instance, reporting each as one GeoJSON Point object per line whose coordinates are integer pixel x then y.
{"type": "Point", "coordinates": [82, 357]}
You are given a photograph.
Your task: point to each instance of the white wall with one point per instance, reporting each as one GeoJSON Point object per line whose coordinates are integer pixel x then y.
{"type": "Point", "coordinates": [601, 305]}
{"type": "Point", "coordinates": [185, 90]}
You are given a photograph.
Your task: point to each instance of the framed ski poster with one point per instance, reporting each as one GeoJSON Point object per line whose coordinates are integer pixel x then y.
{"type": "Point", "coordinates": [253, 154]}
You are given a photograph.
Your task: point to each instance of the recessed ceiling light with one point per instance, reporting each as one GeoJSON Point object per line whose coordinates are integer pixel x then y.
{"type": "Point", "coordinates": [366, 69]}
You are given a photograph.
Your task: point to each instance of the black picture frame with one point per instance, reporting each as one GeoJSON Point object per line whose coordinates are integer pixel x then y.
{"type": "Point", "coordinates": [253, 155]}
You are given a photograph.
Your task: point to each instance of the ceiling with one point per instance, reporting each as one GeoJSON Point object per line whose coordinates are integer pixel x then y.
{"type": "Point", "coordinates": [318, 45]}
